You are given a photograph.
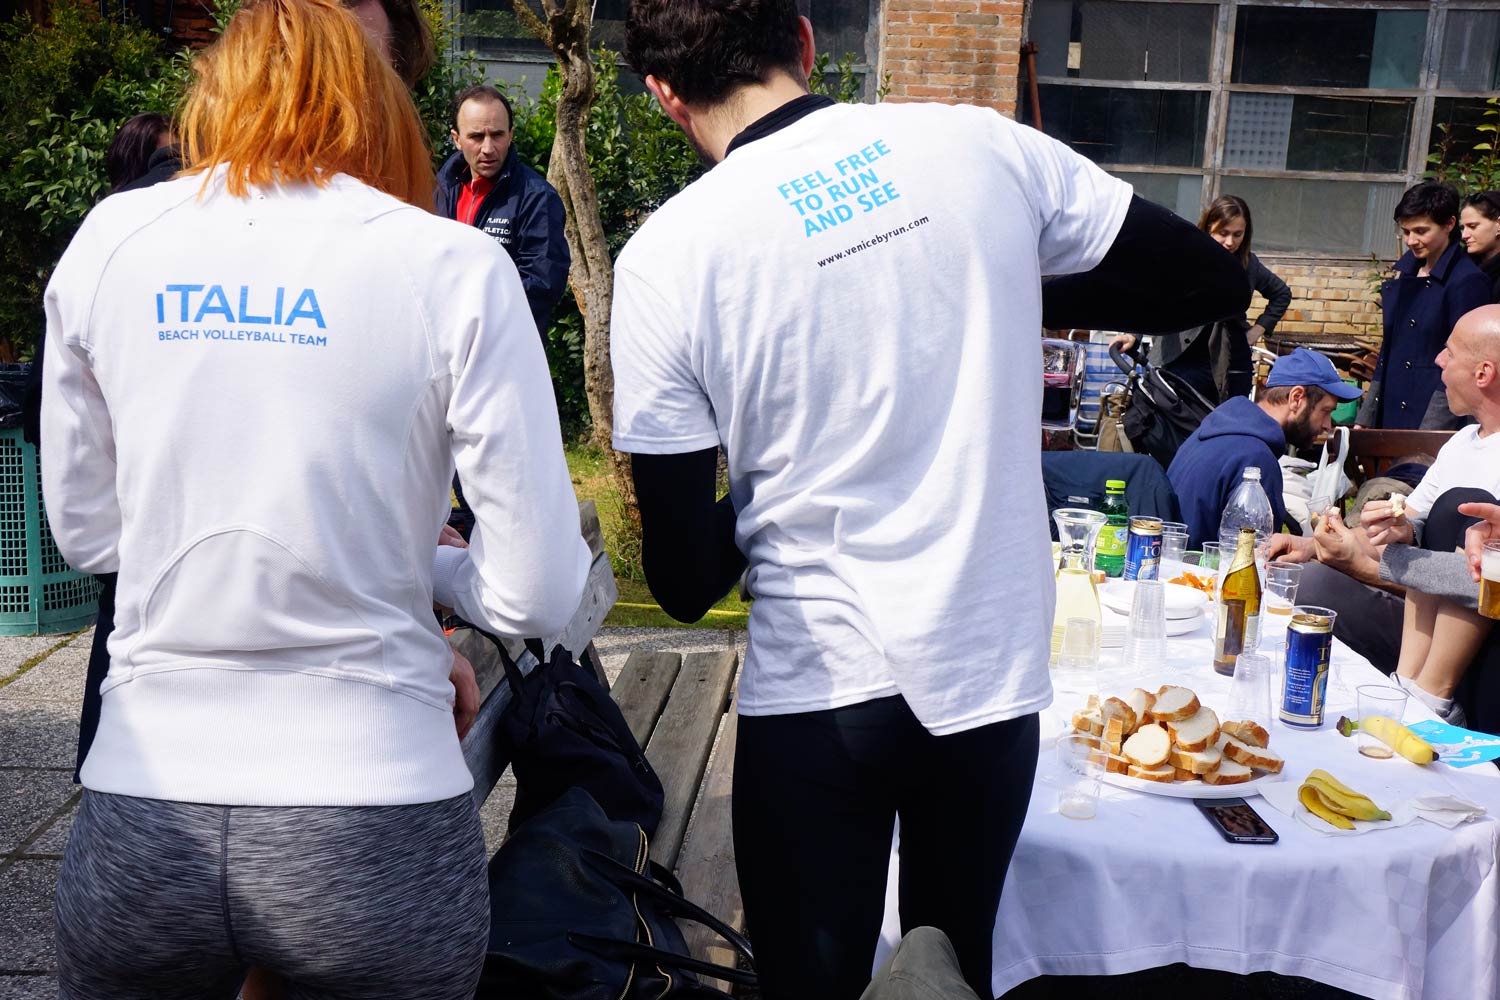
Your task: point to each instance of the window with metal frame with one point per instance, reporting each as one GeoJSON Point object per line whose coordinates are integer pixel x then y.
{"type": "Point", "coordinates": [1318, 113]}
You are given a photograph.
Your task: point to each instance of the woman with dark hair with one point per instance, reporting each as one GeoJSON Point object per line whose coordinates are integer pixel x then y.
{"type": "Point", "coordinates": [131, 151]}
{"type": "Point", "coordinates": [1215, 358]}
{"type": "Point", "coordinates": [1432, 285]}
{"type": "Point", "coordinates": [1479, 224]}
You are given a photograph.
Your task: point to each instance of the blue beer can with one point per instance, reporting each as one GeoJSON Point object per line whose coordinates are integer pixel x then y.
{"type": "Point", "coordinates": [1143, 549]}
{"type": "Point", "coordinates": [1309, 644]}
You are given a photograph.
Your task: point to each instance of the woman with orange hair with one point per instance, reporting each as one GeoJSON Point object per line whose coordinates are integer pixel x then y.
{"type": "Point", "coordinates": [259, 378]}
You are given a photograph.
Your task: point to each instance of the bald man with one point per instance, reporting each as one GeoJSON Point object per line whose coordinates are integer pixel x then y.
{"type": "Point", "coordinates": [1412, 551]}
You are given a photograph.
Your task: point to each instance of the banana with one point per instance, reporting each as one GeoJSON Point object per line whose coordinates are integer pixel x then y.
{"type": "Point", "coordinates": [1400, 739]}
{"type": "Point", "coordinates": [1308, 796]}
{"type": "Point", "coordinates": [1344, 800]}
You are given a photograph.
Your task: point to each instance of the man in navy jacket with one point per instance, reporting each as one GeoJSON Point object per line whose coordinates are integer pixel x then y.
{"type": "Point", "coordinates": [486, 185]}
{"type": "Point", "coordinates": [1296, 408]}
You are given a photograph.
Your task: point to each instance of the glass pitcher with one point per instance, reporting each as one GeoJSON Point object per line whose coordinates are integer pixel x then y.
{"type": "Point", "coordinates": [1063, 363]}
{"type": "Point", "coordinates": [1077, 597]}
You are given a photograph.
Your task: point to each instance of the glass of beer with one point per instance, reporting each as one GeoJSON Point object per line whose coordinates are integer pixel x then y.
{"type": "Point", "coordinates": [1489, 579]}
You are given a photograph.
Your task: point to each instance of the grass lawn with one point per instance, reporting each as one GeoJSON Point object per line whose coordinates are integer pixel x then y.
{"type": "Point", "coordinates": [635, 607]}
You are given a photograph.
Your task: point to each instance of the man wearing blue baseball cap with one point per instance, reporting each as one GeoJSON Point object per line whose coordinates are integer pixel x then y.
{"type": "Point", "coordinates": [1295, 408]}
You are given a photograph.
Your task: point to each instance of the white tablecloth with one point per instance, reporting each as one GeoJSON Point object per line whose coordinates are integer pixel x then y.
{"type": "Point", "coordinates": [1413, 912]}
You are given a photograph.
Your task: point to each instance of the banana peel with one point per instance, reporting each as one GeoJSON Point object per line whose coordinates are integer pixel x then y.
{"type": "Point", "coordinates": [1344, 800]}
{"type": "Point", "coordinates": [1309, 797]}
{"type": "Point", "coordinates": [1335, 803]}
{"type": "Point", "coordinates": [1394, 735]}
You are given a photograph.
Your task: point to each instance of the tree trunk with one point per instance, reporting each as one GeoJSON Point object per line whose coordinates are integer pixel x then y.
{"type": "Point", "coordinates": [592, 275]}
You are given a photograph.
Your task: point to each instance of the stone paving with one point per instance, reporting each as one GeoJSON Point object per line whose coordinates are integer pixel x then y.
{"type": "Point", "coordinates": [41, 687]}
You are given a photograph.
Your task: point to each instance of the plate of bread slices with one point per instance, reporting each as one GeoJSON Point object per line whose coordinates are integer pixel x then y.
{"type": "Point", "coordinates": [1169, 743]}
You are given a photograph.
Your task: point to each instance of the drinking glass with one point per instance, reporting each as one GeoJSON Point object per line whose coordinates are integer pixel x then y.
{"type": "Point", "coordinates": [1250, 690]}
{"type": "Point", "coordinates": [1146, 632]}
{"type": "Point", "coordinates": [1210, 557]}
{"type": "Point", "coordinates": [1315, 508]}
{"type": "Point", "coordinates": [1082, 766]}
{"type": "Point", "coordinates": [1489, 580]}
{"type": "Point", "coordinates": [1080, 645]}
{"type": "Point", "coordinates": [1378, 699]}
{"type": "Point", "coordinates": [1278, 599]}
{"type": "Point", "coordinates": [1172, 548]}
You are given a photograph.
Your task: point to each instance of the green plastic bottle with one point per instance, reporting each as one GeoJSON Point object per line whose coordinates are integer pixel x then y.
{"type": "Point", "coordinates": [1109, 553]}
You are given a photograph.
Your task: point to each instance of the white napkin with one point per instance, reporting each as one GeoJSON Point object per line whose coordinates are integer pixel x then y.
{"type": "Point", "coordinates": [1445, 810]}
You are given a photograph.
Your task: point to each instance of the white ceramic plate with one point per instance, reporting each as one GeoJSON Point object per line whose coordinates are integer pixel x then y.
{"type": "Point", "coordinates": [1182, 602]}
{"type": "Point", "coordinates": [1192, 789]}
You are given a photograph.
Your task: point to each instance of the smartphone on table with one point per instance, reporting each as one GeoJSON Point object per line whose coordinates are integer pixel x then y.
{"type": "Point", "coordinates": [1236, 821]}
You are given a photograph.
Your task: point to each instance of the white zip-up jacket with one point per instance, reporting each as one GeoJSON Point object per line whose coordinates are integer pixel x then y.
{"type": "Point", "coordinates": [252, 411]}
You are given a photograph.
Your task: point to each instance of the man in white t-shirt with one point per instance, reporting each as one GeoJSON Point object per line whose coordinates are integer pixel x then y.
{"type": "Point", "coordinates": [849, 303]}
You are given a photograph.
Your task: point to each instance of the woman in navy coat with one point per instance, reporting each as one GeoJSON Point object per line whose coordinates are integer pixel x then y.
{"type": "Point", "coordinates": [1434, 283]}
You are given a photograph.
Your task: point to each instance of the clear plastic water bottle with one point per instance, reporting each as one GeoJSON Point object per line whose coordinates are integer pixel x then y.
{"type": "Point", "coordinates": [1248, 507]}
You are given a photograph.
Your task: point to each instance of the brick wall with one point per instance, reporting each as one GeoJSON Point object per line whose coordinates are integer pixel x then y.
{"type": "Point", "coordinates": [192, 24]}
{"type": "Point", "coordinates": [959, 51]}
{"type": "Point", "coordinates": [1328, 296]}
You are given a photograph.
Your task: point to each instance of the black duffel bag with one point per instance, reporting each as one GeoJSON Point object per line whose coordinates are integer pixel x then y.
{"type": "Point", "coordinates": [562, 730]}
{"type": "Point", "coordinates": [579, 912]}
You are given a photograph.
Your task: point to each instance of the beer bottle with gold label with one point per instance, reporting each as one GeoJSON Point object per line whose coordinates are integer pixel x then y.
{"type": "Point", "coordinates": [1239, 605]}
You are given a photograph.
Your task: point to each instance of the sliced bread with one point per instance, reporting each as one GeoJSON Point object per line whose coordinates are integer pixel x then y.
{"type": "Point", "coordinates": [1116, 708]}
{"type": "Point", "coordinates": [1195, 761]}
{"type": "Point", "coordinates": [1141, 700]}
{"type": "Point", "coordinates": [1197, 731]}
{"type": "Point", "coordinates": [1164, 773]}
{"type": "Point", "coordinates": [1181, 775]}
{"type": "Point", "coordinates": [1114, 733]}
{"type": "Point", "coordinates": [1173, 704]}
{"type": "Point", "coordinates": [1228, 773]}
{"type": "Point", "coordinates": [1148, 746]}
{"type": "Point", "coordinates": [1113, 762]}
{"type": "Point", "coordinates": [1088, 722]}
{"type": "Point", "coordinates": [1256, 757]}
{"type": "Point", "coordinates": [1248, 732]}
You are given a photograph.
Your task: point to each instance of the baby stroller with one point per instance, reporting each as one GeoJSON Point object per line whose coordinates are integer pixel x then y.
{"type": "Point", "coordinates": [1162, 409]}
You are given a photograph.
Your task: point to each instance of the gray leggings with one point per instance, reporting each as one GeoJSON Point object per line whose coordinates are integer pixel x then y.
{"type": "Point", "coordinates": [172, 900]}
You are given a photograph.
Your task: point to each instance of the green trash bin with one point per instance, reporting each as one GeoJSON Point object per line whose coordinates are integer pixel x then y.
{"type": "Point", "coordinates": [1343, 414]}
{"type": "Point", "coordinates": [40, 594]}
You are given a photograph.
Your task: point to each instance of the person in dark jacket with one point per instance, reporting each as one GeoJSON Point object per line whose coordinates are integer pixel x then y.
{"type": "Point", "coordinates": [1215, 358]}
{"type": "Point", "coordinates": [486, 185]}
{"type": "Point", "coordinates": [1479, 224]}
{"type": "Point", "coordinates": [1434, 284]}
{"type": "Point", "coordinates": [1296, 408]}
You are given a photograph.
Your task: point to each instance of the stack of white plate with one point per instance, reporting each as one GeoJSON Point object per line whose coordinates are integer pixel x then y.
{"type": "Point", "coordinates": [1184, 609]}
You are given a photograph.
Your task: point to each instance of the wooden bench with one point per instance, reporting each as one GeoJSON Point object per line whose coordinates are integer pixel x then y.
{"type": "Point", "coordinates": [1372, 452]}
{"type": "Point", "coordinates": [678, 707]}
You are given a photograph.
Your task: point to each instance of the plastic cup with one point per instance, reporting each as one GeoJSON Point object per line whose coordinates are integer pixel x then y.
{"type": "Point", "coordinates": [1210, 557]}
{"type": "Point", "coordinates": [1250, 690]}
{"type": "Point", "coordinates": [1172, 549]}
{"type": "Point", "coordinates": [1173, 528]}
{"type": "Point", "coordinates": [1080, 646]}
{"type": "Point", "coordinates": [1378, 699]}
{"type": "Point", "coordinates": [1146, 632]}
{"type": "Point", "coordinates": [1082, 766]}
{"type": "Point", "coordinates": [1489, 579]}
{"type": "Point", "coordinates": [1278, 600]}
